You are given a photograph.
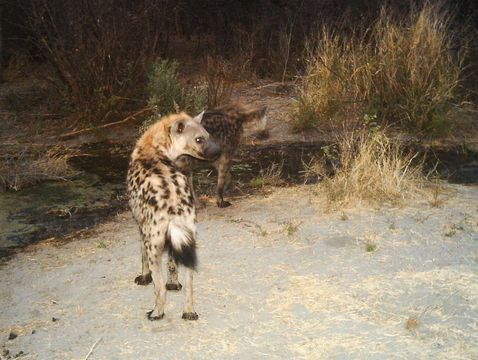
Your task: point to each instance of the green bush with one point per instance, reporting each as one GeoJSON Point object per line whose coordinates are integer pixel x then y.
{"type": "Point", "coordinates": [167, 95]}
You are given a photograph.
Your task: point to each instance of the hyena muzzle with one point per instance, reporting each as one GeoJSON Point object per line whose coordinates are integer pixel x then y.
{"type": "Point", "coordinates": [163, 205]}
{"type": "Point", "coordinates": [225, 124]}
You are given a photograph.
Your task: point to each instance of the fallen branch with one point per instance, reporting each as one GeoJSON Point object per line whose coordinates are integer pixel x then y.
{"type": "Point", "coordinates": [126, 119]}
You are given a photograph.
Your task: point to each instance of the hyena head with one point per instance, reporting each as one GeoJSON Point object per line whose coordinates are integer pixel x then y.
{"type": "Point", "coordinates": [180, 134]}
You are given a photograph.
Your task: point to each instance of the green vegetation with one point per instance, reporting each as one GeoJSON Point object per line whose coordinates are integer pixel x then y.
{"type": "Point", "coordinates": [167, 95]}
{"type": "Point", "coordinates": [370, 247]}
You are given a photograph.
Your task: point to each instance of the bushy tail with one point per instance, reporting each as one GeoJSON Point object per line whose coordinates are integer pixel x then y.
{"type": "Point", "coordinates": [181, 244]}
{"type": "Point", "coordinates": [254, 113]}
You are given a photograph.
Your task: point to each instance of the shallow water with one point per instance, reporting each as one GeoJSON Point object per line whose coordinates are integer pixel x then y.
{"type": "Point", "coordinates": [53, 209]}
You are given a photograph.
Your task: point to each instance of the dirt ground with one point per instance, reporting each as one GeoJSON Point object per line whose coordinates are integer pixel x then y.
{"type": "Point", "coordinates": [279, 278]}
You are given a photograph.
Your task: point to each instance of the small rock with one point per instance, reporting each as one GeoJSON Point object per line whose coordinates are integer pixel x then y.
{"type": "Point", "coordinates": [12, 336]}
{"type": "Point", "coordinates": [54, 319]}
{"type": "Point", "coordinates": [33, 331]}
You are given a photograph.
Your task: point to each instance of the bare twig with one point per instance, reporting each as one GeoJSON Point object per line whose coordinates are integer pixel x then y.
{"type": "Point", "coordinates": [126, 119]}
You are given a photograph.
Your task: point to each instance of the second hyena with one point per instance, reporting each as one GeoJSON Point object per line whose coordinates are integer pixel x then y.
{"type": "Point", "coordinates": [162, 202]}
{"type": "Point", "coordinates": [225, 124]}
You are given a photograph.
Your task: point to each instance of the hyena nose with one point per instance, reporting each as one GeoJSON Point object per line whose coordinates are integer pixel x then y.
{"type": "Point", "coordinates": [213, 151]}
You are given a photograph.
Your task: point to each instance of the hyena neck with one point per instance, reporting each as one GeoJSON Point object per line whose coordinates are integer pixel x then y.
{"type": "Point", "coordinates": [154, 159]}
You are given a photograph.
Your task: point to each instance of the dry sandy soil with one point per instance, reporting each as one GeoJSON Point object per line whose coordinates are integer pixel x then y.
{"type": "Point", "coordinates": [279, 278]}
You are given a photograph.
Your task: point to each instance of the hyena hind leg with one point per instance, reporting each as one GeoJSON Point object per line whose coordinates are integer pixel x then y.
{"type": "Point", "coordinates": [154, 260]}
{"type": "Point", "coordinates": [173, 282]}
{"type": "Point", "coordinates": [145, 278]}
{"type": "Point", "coordinates": [188, 312]}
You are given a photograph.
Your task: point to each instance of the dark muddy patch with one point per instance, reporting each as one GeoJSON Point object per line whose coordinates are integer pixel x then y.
{"type": "Point", "coordinates": [53, 209]}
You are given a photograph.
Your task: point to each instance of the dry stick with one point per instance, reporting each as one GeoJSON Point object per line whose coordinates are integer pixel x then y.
{"type": "Point", "coordinates": [93, 348]}
{"type": "Point", "coordinates": [131, 117]}
{"type": "Point", "coordinates": [276, 83]}
{"type": "Point", "coordinates": [289, 38]}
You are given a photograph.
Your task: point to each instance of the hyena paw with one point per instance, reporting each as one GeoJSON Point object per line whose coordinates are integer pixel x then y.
{"type": "Point", "coordinates": [153, 315]}
{"type": "Point", "coordinates": [143, 279]}
{"type": "Point", "coordinates": [174, 286]}
{"type": "Point", "coordinates": [190, 316]}
{"type": "Point", "coordinates": [223, 204]}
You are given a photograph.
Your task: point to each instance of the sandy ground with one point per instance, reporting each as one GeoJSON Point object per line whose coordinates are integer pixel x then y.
{"type": "Point", "coordinates": [279, 278]}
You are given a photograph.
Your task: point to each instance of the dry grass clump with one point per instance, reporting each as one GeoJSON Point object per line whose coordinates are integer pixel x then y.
{"type": "Point", "coordinates": [372, 169]}
{"type": "Point", "coordinates": [314, 170]}
{"type": "Point", "coordinates": [404, 71]}
{"type": "Point", "coordinates": [271, 176]}
{"type": "Point", "coordinates": [219, 81]}
{"type": "Point", "coordinates": [25, 169]}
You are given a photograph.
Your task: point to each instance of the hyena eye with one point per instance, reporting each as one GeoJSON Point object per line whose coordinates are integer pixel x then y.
{"type": "Point", "coordinates": [199, 140]}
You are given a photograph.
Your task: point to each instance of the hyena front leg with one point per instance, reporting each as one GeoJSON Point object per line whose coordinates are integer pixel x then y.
{"type": "Point", "coordinates": [145, 277]}
{"type": "Point", "coordinates": [197, 203]}
{"type": "Point", "coordinates": [222, 167]}
{"type": "Point", "coordinates": [228, 180]}
{"type": "Point", "coordinates": [188, 312]}
{"type": "Point", "coordinates": [173, 282]}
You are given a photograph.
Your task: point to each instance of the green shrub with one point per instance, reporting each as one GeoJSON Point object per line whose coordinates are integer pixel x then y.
{"type": "Point", "coordinates": [167, 95]}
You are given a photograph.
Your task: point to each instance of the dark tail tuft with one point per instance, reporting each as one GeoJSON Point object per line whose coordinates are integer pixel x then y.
{"type": "Point", "coordinates": [183, 249]}
{"type": "Point", "coordinates": [186, 255]}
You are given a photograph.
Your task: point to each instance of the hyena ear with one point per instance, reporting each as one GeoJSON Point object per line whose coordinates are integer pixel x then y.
{"type": "Point", "coordinates": [178, 127]}
{"type": "Point", "coordinates": [198, 117]}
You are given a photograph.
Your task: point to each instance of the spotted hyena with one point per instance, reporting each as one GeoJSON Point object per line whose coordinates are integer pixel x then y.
{"type": "Point", "coordinates": [162, 203]}
{"type": "Point", "coordinates": [225, 124]}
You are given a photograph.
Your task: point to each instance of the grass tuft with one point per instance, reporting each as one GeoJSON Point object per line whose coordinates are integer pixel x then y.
{"type": "Point", "coordinates": [291, 228]}
{"type": "Point", "coordinates": [372, 169]}
{"type": "Point", "coordinates": [370, 247]}
{"type": "Point", "coordinates": [271, 176]}
{"type": "Point", "coordinates": [25, 169]}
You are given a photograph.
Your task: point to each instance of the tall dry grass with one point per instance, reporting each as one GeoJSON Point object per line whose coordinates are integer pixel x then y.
{"type": "Point", "coordinates": [220, 82]}
{"type": "Point", "coordinates": [407, 72]}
